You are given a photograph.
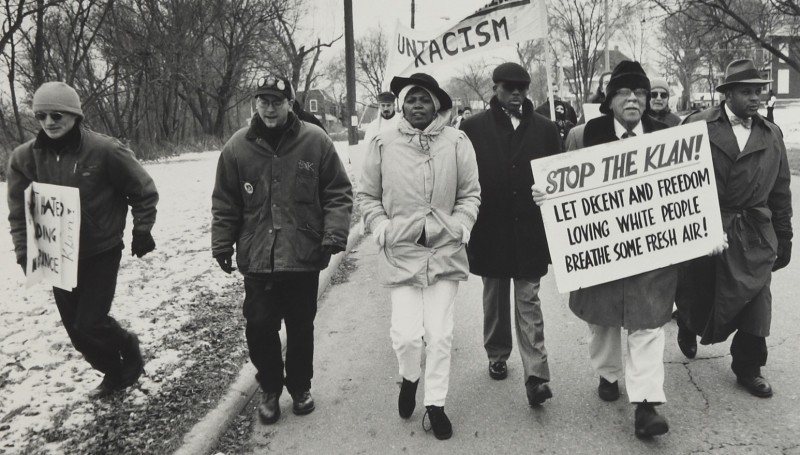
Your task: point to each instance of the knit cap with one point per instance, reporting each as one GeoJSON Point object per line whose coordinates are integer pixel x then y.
{"type": "Point", "coordinates": [57, 96]}
{"type": "Point", "coordinates": [659, 83]}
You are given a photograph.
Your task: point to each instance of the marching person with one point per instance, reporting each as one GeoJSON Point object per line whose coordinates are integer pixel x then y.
{"type": "Point", "coordinates": [508, 241]}
{"type": "Point", "coordinates": [641, 304]}
{"type": "Point", "coordinates": [420, 196]}
{"type": "Point", "coordinates": [566, 118]}
{"type": "Point", "coordinates": [283, 198]}
{"type": "Point", "coordinates": [730, 293]}
{"type": "Point", "coordinates": [659, 103]}
{"type": "Point", "coordinates": [387, 120]}
{"type": "Point", "coordinates": [109, 179]}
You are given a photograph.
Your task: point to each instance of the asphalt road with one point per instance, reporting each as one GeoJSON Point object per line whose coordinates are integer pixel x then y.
{"type": "Point", "coordinates": [356, 384]}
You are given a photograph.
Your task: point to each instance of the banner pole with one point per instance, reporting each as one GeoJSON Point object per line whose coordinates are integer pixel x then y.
{"type": "Point", "coordinates": [548, 62]}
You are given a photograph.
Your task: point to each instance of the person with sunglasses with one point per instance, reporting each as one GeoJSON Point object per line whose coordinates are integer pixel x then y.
{"type": "Point", "coordinates": [659, 103]}
{"type": "Point", "coordinates": [109, 179]}
{"type": "Point", "coordinates": [508, 242]}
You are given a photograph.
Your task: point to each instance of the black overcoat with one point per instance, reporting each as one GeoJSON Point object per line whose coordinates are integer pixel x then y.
{"type": "Point", "coordinates": [508, 239]}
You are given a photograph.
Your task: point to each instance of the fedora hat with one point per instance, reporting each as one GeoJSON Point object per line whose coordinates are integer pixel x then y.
{"type": "Point", "coordinates": [626, 74]}
{"type": "Point", "coordinates": [423, 80]}
{"type": "Point", "coordinates": [741, 72]}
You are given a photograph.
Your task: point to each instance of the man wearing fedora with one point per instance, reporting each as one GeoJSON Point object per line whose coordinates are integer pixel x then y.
{"type": "Point", "coordinates": [283, 198]}
{"type": "Point", "coordinates": [640, 304]}
{"type": "Point", "coordinates": [730, 292]}
{"type": "Point", "coordinates": [508, 240]}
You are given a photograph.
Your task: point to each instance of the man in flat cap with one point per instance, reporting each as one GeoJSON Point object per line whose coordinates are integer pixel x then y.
{"type": "Point", "coordinates": [730, 292]}
{"type": "Point", "coordinates": [387, 119]}
{"type": "Point", "coordinates": [508, 240]}
{"type": "Point", "coordinates": [283, 198]}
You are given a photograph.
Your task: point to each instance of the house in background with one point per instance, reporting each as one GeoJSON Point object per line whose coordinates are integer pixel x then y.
{"type": "Point", "coordinates": [322, 106]}
{"type": "Point", "coordinates": [785, 80]}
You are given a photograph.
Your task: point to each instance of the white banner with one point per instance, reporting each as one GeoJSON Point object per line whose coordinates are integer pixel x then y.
{"type": "Point", "coordinates": [630, 206]}
{"type": "Point", "coordinates": [500, 23]}
{"type": "Point", "coordinates": [53, 218]}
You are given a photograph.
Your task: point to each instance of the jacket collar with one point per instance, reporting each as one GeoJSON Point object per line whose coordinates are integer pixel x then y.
{"type": "Point", "coordinates": [721, 134]}
{"type": "Point", "coordinates": [601, 130]}
{"type": "Point", "coordinates": [68, 143]}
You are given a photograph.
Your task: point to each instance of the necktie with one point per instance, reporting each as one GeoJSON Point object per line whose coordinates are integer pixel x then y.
{"type": "Point", "coordinates": [627, 134]}
{"type": "Point", "coordinates": [516, 114]}
{"type": "Point", "coordinates": [745, 122]}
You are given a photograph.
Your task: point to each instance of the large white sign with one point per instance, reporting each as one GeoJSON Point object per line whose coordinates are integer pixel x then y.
{"type": "Point", "coordinates": [53, 218]}
{"type": "Point", "coordinates": [500, 23]}
{"type": "Point", "coordinates": [630, 206]}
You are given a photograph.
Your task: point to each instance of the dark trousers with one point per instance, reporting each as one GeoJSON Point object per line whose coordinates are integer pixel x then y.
{"type": "Point", "coordinates": [84, 312]}
{"type": "Point", "coordinates": [291, 297]}
{"type": "Point", "coordinates": [749, 353]}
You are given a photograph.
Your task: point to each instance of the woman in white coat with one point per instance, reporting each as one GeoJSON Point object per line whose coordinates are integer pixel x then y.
{"type": "Point", "coordinates": [419, 196]}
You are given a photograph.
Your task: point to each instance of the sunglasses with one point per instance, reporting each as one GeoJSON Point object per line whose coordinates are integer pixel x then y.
{"type": "Point", "coordinates": [657, 95]}
{"type": "Point", "coordinates": [42, 116]}
{"type": "Point", "coordinates": [511, 86]}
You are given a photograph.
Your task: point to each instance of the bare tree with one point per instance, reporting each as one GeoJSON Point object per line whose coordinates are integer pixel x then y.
{"type": "Point", "coordinates": [681, 55]}
{"type": "Point", "coordinates": [475, 79]}
{"type": "Point", "coordinates": [371, 55]}
{"type": "Point", "coordinates": [756, 20]}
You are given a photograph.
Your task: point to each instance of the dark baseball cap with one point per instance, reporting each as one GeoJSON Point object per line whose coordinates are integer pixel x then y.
{"type": "Point", "coordinates": [275, 85]}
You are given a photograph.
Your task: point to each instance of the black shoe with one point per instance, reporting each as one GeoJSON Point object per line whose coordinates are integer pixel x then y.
{"type": "Point", "coordinates": [132, 363]}
{"type": "Point", "coordinates": [498, 370]}
{"type": "Point", "coordinates": [756, 385]}
{"type": "Point", "coordinates": [440, 424]}
{"type": "Point", "coordinates": [537, 390]}
{"type": "Point", "coordinates": [608, 391]}
{"type": "Point", "coordinates": [107, 387]}
{"type": "Point", "coordinates": [269, 410]}
{"type": "Point", "coordinates": [648, 422]}
{"type": "Point", "coordinates": [407, 400]}
{"type": "Point", "coordinates": [687, 340]}
{"type": "Point", "coordinates": [303, 403]}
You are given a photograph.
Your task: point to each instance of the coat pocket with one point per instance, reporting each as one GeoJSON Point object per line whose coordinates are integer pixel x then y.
{"type": "Point", "coordinates": [305, 187]}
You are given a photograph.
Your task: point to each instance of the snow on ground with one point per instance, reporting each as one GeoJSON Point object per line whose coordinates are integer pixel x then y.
{"type": "Point", "coordinates": [41, 374]}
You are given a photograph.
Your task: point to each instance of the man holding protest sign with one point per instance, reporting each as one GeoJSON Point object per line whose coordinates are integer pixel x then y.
{"type": "Point", "coordinates": [508, 240]}
{"type": "Point", "coordinates": [109, 178]}
{"type": "Point", "coordinates": [641, 303]}
{"type": "Point", "coordinates": [731, 292]}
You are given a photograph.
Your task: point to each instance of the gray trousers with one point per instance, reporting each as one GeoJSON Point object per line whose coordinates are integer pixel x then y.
{"type": "Point", "coordinates": [528, 318]}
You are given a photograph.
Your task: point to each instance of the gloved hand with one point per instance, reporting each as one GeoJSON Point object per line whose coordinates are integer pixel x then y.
{"type": "Point", "coordinates": [142, 244]}
{"type": "Point", "coordinates": [225, 261]}
{"type": "Point", "coordinates": [332, 249]}
{"type": "Point", "coordinates": [784, 254]}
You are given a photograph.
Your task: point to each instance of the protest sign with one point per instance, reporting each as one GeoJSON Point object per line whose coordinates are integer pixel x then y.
{"type": "Point", "coordinates": [630, 206]}
{"type": "Point", "coordinates": [53, 218]}
{"type": "Point", "coordinates": [499, 23]}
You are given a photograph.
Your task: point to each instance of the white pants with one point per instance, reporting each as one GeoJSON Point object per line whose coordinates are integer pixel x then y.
{"type": "Point", "coordinates": [644, 360]}
{"type": "Point", "coordinates": [424, 312]}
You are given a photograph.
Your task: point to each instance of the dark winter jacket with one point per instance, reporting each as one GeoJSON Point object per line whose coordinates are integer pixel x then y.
{"type": "Point", "coordinates": [665, 116]}
{"type": "Point", "coordinates": [508, 239]}
{"type": "Point", "coordinates": [108, 177]}
{"type": "Point", "coordinates": [642, 301]}
{"type": "Point", "coordinates": [731, 291]}
{"type": "Point", "coordinates": [280, 206]}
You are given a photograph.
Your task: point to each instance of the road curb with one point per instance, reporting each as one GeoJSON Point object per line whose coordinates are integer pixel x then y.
{"type": "Point", "coordinates": [205, 434]}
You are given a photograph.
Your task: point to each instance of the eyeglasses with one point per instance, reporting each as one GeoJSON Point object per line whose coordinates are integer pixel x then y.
{"type": "Point", "coordinates": [626, 92]}
{"type": "Point", "coordinates": [657, 95]}
{"type": "Point", "coordinates": [512, 86]}
{"type": "Point", "coordinates": [265, 101]}
{"type": "Point", "coordinates": [42, 116]}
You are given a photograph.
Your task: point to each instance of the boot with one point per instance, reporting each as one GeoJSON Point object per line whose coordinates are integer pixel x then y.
{"type": "Point", "coordinates": [109, 385]}
{"type": "Point", "coordinates": [440, 424]}
{"type": "Point", "coordinates": [648, 422]}
{"type": "Point", "coordinates": [687, 340]}
{"type": "Point", "coordinates": [302, 403]}
{"type": "Point", "coordinates": [269, 410]}
{"type": "Point", "coordinates": [132, 363]}
{"type": "Point", "coordinates": [407, 399]}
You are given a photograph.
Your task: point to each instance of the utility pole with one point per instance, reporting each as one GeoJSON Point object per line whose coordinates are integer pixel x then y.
{"type": "Point", "coordinates": [350, 72]}
{"type": "Point", "coordinates": [413, 10]}
{"type": "Point", "coordinates": [605, 21]}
